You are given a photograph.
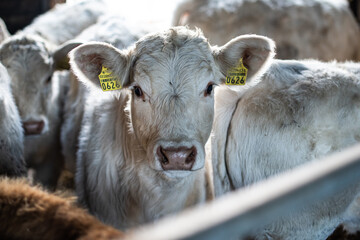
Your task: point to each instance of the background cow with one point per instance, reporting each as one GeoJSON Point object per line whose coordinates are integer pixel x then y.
{"type": "Point", "coordinates": [298, 111]}
{"type": "Point", "coordinates": [11, 133]}
{"type": "Point", "coordinates": [322, 29]}
{"type": "Point", "coordinates": [31, 62]}
{"type": "Point", "coordinates": [29, 212]}
{"type": "Point", "coordinates": [65, 21]}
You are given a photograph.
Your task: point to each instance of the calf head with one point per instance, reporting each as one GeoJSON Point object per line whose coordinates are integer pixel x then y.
{"type": "Point", "coordinates": [31, 63]}
{"type": "Point", "coordinates": [172, 76]}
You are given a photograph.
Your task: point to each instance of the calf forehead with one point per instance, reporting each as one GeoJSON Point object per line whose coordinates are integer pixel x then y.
{"type": "Point", "coordinates": [26, 55]}
{"type": "Point", "coordinates": [173, 64]}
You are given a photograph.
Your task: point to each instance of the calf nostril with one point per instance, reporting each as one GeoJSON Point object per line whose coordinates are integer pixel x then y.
{"type": "Point", "coordinates": [162, 156]}
{"type": "Point", "coordinates": [164, 159]}
{"type": "Point", "coordinates": [191, 157]}
{"type": "Point", "coordinates": [176, 158]}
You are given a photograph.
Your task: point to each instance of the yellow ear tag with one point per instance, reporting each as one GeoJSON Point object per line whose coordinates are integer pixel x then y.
{"type": "Point", "coordinates": [237, 75]}
{"type": "Point", "coordinates": [108, 81]}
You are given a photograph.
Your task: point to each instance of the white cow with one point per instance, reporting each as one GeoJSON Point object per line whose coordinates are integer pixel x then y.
{"type": "Point", "coordinates": [321, 29]}
{"type": "Point", "coordinates": [11, 133]}
{"type": "Point", "coordinates": [31, 61]}
{"type": "Point", "coordinates": [66, 21]}
{"type": "Point", "coordinates": [298, 111]}
{"type": "Point", "coordinates": [110, 29]}
{"type": "Point", "coordinates": [141, 153]}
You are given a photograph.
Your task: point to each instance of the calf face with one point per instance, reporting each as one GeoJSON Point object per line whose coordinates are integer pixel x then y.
{"type": "Point", "coordinates": [30, 64]}
{"type": "Point", "coordinates": [172, 76]}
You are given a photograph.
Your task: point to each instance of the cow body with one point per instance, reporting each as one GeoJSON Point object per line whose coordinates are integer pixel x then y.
{"type": "Point", "coordinates": [298, 111]}
{"type": "Point", "coordinates": [58, 26]}
{"type": "Point", "coordinates": [141, 152]}
{"type": "Point", "coordinates": [12, 136]}
{"type": "Point", "coordinates": [301, 29]}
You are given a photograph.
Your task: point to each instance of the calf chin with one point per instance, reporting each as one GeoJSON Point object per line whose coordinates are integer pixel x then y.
{"type": "Point", "coordinates": [177, 174]}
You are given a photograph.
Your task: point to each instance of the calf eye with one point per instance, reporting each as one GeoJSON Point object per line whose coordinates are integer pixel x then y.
{"type": "Point", "coordinates": [209, 89]}
{"type": "Point", "coordinates": [138, 92]}
{"type": "Point", "coordinates": [48, 79]}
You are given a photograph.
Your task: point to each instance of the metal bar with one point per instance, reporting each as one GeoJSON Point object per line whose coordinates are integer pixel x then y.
{"type": "Point", "coordinates": [237, 213]}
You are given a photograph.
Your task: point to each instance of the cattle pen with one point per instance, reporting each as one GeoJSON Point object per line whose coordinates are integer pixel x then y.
{"type": "Point", "coordinates": [246, 210]}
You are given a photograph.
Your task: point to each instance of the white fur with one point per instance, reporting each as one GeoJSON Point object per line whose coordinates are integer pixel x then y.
{"type": "Point", "coordinates": [31, 62]}
{"type": "Point", "coordinates": [119, 176]}
{"type": "Point", "coordinates": [113, 30]}
{"type": "Point", "coordinates": [300, 28]}
{"type": "Point", "coordinates": [3, 31]}
{"type": "Point", "coordinates": [298, 112]}
{"type": "Point", "coordinates": [11, 134]}
{"type": "Point", "coordinates": [66, 21]}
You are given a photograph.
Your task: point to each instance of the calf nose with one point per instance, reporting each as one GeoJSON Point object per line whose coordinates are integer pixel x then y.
{"type": "Point", "coordinates": [33, 127]}
{"type": "Point", "coordinates": [180, 158]}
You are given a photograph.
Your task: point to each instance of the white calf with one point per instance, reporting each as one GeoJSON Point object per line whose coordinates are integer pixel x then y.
{"type": "Point", "coordinates": [298, 111]}
{"type": "Point", "coordinates": [11, 134]}
{"type": "Point", "coordinates": [31, 62]}
{"type": "Point", "coordinates": [141, 150]}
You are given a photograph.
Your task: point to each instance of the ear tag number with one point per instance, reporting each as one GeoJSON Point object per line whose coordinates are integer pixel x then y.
{"type": "Point", "coordinates": [237, 75]}
{"type": "Point", "coordinates": [108, 81]}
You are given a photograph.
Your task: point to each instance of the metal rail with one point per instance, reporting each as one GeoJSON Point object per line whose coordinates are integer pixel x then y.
{"type": "Point", "coordinates": [238, 213]}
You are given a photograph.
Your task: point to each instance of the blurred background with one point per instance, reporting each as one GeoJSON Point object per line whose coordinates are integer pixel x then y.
{"type": "Point", "coordinates": [322, 29]}
{"type": "Point", "coordinates": [19, 13]}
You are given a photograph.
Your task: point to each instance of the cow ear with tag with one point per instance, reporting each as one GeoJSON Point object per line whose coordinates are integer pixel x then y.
{"type": "Point", "coordinates": [101, 65]}
{"type": "Point", "coordinates": [244, 57]}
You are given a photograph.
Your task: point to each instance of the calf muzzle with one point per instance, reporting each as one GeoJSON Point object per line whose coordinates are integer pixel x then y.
{"type": "Point", "coordinates": [33, 127]}
{"type": "Point", "coordinates": [180, 158]}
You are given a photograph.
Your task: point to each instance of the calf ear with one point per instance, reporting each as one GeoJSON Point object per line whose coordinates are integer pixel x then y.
{"type": "Point", "coordinates": [88, 59]}
{"type": "Point", "coordinates": [255, 51]}
{"type": "Point", "coordinates": [4, 34]}
{"type": "Point", "coordinates": [60, 55]}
